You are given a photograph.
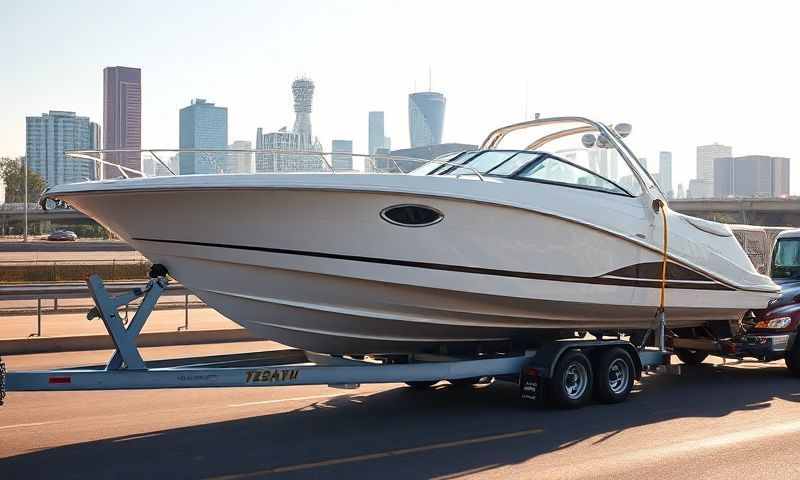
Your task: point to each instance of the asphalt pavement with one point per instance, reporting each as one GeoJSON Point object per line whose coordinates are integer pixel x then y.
{"type": "Point", "coordinates": [713, 422]}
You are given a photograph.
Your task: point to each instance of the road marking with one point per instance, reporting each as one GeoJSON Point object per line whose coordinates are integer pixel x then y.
{"type": "Point", "coordinates": [21, 425]}
{"type": "Point", "coordinates": [612, 463]}
{"type": "Point", "coordinates": [293, 399]}
{"type": "Point", "coordinates": [374, 456]}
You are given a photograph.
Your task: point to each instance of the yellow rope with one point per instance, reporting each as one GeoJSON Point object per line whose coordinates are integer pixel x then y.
{"type": "Point", "coordinates": [663, 208]}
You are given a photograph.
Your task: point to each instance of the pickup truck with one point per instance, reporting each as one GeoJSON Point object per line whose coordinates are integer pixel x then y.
{"type": "Point", "coordinates": [768, 334]}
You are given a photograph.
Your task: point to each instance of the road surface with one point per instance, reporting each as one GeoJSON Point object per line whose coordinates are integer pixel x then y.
{"type": "Point", "coordinates": [740, 421]}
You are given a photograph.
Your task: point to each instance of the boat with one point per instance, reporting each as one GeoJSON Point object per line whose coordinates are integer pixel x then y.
{"type": "Point", "coordinates": [472, 250]}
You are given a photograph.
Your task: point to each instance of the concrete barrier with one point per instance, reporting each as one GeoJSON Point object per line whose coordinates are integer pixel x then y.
{"type": "Point", "coordinates": [21, 346]}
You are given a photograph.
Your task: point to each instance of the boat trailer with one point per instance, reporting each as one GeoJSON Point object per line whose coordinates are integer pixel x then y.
{"type": "Point", "coordinates": [126, 369]}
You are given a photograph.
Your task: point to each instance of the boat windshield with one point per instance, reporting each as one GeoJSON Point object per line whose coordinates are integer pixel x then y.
{"type": "Point", "coordinates": [569, 153]}
{"type": "Point", "coordinates": [786, 258]}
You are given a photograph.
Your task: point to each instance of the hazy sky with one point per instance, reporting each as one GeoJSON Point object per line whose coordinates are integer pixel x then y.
{"type": "Point", "coordinates": [683, 74]}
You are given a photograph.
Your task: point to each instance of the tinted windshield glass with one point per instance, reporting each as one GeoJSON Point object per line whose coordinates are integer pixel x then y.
{"type": "Point", "coordinates": [431, 166]}
{"type": "Point", "coordinates": [786, 258]}
{"type": "Point", "coordinates": [553, 170]}
{"type": "Point", "coordinates": [483, 162]}
{"type": "Point", "coordinates": [512, 164]}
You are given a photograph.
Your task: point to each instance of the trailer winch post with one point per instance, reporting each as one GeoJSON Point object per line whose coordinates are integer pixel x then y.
{"type": "Point", "coordinates": [124, 338]}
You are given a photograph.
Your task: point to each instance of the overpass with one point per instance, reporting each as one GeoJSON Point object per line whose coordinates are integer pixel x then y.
{"type": "Point", "coordinates": [12, 217]}
{"type": "Point", "coordinates": [775, 212]}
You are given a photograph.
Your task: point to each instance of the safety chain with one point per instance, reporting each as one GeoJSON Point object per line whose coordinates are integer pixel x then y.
{"type": "Point", "coordinates": [2, 381]}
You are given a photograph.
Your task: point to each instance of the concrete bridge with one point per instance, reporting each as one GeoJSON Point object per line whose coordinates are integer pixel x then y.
{"type": "Point", "coordinates": [39, 221]}
{"type": "Point", "coordinates": [774, 212]}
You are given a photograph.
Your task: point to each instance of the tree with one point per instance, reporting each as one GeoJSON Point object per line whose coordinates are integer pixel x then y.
{"type": "Point", "coordinates": [12, 173]}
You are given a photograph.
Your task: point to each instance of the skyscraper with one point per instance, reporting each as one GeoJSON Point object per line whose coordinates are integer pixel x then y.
{"type": "Point", "coordinates": [751, 176]}
{"type": "Point", "coordinates": [376, 132]}
{"type": "Point", "coordinates": [122, 117]}
{"type": "Point", "coordinates": [303, 92]}
{"type": "Point", "coordinates": [342, 154]}
{"type": "Point", "coordinates": [703, 185]}
{"type": "Point", "coordinates": [705, 159]}
{"type": "Point", "coordinates": [48, 136]}
{"type": "Point", "coordinates": [665, 173]}
{"type": "Point", "coordinates": [203, 125]}
{"type": "Point", "coordinates": [240, 162]}
{"type": "Point", "coordinates": [425, 118]}
{"type": "Point", "coordinates": [298, 140]}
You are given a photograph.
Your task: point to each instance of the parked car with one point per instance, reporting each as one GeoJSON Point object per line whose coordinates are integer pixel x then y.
{"type": "Point", "coordinates": [63, 236]}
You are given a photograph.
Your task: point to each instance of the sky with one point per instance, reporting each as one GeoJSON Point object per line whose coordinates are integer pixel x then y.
{"type": "Point", "coordinates": [682, 73]}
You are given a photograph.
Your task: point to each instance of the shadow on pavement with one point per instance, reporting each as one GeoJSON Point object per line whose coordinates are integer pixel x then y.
{"type": "Point", "coordinates": [403, 418]}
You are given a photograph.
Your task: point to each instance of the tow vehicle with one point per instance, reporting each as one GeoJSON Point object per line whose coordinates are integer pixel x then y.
{"type": "Point", "coordinates": [765, 335]}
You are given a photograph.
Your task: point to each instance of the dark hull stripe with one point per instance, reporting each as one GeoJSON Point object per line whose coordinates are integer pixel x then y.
{"type": "Point", "coordinates": [456, 268]}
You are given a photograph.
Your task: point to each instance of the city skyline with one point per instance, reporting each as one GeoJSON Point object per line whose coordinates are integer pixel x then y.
{"type": "Point", "coordinates": [670, 108]}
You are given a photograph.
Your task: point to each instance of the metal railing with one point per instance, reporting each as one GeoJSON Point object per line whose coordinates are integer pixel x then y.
{"type": "Point", "coordinates": [211, 155]}
{"type": "Point", "coordinates": [55, 292]}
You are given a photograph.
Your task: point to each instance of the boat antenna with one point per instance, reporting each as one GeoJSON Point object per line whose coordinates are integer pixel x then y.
{"type": "Point", "coordinates": [430, 82]}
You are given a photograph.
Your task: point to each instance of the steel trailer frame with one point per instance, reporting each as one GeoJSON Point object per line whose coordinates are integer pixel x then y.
{"type": "Point", "coordinates": [126, 368]}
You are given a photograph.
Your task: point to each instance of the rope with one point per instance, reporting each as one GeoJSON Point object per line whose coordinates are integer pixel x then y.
{"type": "Point", "coordinates": [665, 260]}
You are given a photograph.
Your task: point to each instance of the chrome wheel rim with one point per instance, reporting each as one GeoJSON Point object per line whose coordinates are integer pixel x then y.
{"type": "Point", "coordinates": [575, 380]}
{"type": "Point", "coordinates": [618, 376]}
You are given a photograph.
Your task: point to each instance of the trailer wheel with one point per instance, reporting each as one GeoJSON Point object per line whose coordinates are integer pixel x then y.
{"type": "Point", "coordinates": [422, 385]}
{"type": "Point", "coordinates": [613, 375]}
{"type": "Point", "coordinates": [571, 384]}
{"type": "Point", "coordinates": [792, 359]}
{"type": "Point", "coordinates": [690, 357]}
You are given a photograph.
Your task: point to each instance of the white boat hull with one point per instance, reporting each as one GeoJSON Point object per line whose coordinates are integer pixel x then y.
{"type": "Point", "coordinates": [319, 269]}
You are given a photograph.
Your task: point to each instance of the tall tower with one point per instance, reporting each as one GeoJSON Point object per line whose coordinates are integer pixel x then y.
{"type": "Point", "coordinates": [376, 133]}
{"type": "Point", "coordinates": [203, 125]}
{"type": "Point", "coordinates": [425, 118]}
{"type": "Point", "coordinates": [665, 173]}
{"type": "Point", "coordinates": [303, 91]}
{"type": "Point", "coordinates": [46, 139]}
{"type": "Point", "coordinates": [122, 117]}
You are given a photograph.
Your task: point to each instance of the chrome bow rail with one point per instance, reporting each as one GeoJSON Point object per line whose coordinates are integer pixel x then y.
{"type": "Point", "coordinates": [101, 158]}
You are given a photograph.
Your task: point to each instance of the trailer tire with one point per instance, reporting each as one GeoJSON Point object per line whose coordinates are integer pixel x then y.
{"type": "Point", "coordinates": [690, 357]}
{"type": "Point", "coordinates": [613, 375]}
{"type": "Point", "coordinates": [422, 385]}
{"type": "Point", "coordinates": [792, 359]}
{"type": "Point", "coordinates": [571, 384]}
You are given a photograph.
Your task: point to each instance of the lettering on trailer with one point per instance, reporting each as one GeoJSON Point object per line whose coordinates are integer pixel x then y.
{"type": "Point", "coordinates": [272, 376]}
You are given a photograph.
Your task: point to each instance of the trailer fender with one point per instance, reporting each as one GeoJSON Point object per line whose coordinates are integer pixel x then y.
{"type": "Point", "coordinates": [548, 355]}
